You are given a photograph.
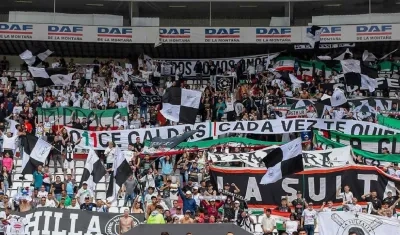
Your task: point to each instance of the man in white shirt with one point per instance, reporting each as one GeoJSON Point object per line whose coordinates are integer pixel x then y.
{"type": "Point", "coordinates": [51, 201]}
{"type": "Point", "coordinates": [308, 219]}
{"type": "Point", "coordinates": [268, 223]}
{"type": "Point", "coordinates": [42, 192]}
{"type": "Point", "coordinates": [353, 206]}
{"type": "Point", "coordinates": [84, 192]}
{"type": "Point", "coordinates": [122, 122]}
{"type": "Point", "coordinates": [74, 205]}
{"type": "Point", "coordinates": [42, 203]}
{"type": "Point", "coordinates": [29, 87]}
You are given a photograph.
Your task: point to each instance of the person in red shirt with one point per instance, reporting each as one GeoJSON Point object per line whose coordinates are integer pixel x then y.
{"type": "Point", "coordinates": [28, 126]}
{"type": "Point", "coordinates": [212, 207]}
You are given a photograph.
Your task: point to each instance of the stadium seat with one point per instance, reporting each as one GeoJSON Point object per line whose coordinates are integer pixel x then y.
{"type": "Point", "coordinates": [80, 164]}
{"type": "Point", "coordinates": [101, 195]}
{"type": "Point", "coordinates": [120, 202]}
{"type": "Point", "coordinates": [113, 210]}
{"type": "Point", "coordinates": [78, 178]}
{"type": "Point", "coordinates": [101, 187]}
{"type": "Point", "coordinates": [79, 171]}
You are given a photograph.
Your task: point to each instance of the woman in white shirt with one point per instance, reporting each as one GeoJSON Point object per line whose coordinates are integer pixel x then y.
{"type": "Point", "coordinates": [291, 225]}
{"type": "Point", "coordinates": [109, 153]}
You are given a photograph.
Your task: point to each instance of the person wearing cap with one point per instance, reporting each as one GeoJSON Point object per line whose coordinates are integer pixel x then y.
{"type": "Point", "coordinates": [196, 195]}
{"type": "Point", "coordinates": [299, 205]}
{"type": "Point", "coordinates": [84, 192]}
{"type": "Point", "coordinates": [88, 205]}
{"type": "Point", "coordinates": [390, 199]}
{"type": "Point", "coordinates": [186, 218]}
{"type": "Point", "coordinates": [156, 216]}
{"type": "Point", "coordinates": [188, 202]}
{"type": "Point", "coordinates": [211, 206]}
{"type": "Point", "coordinates": [388, 210]}
{"type": "Point", "coordinates": [309, 219]}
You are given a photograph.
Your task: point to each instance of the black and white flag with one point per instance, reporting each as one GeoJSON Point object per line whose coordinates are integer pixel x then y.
{"type": "Point", "coordinates": [36, 57]}
{"type": "Point", "coordinates": [224, 83]}
{"type": "Point", "coordinates": [283, 161]}
{"type": "Point", "coordinates": [94, 170]}
{"type": "Point", "coordinates": [313, 37]}
{"type": "Point", "coordinates": [181, 105]}
{"type": "Point", "coordinates": [35, 152]}
{"type": "Point", "coordinates": [121, 172]}
{"type": "Point", "coordinates": [45, 77]}
{"type": "Point", "coordinates": [356, 74]}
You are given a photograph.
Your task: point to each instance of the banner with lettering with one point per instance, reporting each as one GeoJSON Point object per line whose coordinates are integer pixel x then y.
{"type": "Point", "coordinates": [68, 221]}
{"type": "Point", "coordinates": [344, 223]}
{"type": "Point", "coordinates": [123, 138]}
{"type": "Point", "coordinates": [100, 118]}
{"type": "Point", "coordinates": [376, 158]}
{"type": "Point", "coordinates": [99, 139]}
{"type": "Point", "coordinates": [317, 185]}
{"type": "Point", "coordinates": [279, 126]}
{"type": "Point", "coordinates": [311, 159]}
{"type": "Point", "coordinates": [370, 143]}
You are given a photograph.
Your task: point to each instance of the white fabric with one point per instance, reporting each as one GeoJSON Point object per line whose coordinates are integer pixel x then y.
{"type": "Point", "coordinates": [368, 83]}
{"type": "Point", "coordinates": [191, 98]}
{"type": "Point", "coordinates": [309, 216]}
{"type": "Point", "coordinates": [340, 222]}
{"type": "Point", "coordinates": [38, 72]}
{"type": "Point", "coordinates": [349, 66]}
{"type": "Point", "coordinates": [62, 79]}
{"type": "Point", "coordinates": [338, 98]}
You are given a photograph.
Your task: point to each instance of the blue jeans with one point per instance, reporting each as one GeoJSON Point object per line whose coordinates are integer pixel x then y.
{"type": "Point", "coordinates": [58, 196]}
{"type": "Point", "coordinates": [309, 229]}
{"type": "Point", "coordinates": [143, 112]}
{"type": "Point", "coordinates": [129, 198]}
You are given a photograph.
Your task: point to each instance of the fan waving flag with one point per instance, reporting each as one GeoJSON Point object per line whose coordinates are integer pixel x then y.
{"type": "Point", "coordinates": [283, 161]}
{"type": "Point", "coordinates": [337, 99]}
{"type": "Point", "coordinates": [181, 105]}
{"type": "Point", "coordinates": [313, 36]}
{"type": "Point", "coordinates": [121, 172]}
{"type": "Point", "coordinates": [93, 171]}
{"type": "Point", "coordinates": [45, 77]}
{"type": "Point", "coordinates": [35, 152]}
{"type": "Point", "coordinates": [36, 57]}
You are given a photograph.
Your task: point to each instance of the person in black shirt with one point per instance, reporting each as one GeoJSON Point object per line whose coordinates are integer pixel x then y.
{"type": "Point", "coordinates": [76, 123]}
{"type": "Point", "coordinates": [299, 204]}
{"type": "Point", "coordinates": [88, 206]}
{"type": "Point", "coordinates": [284, 206]}
{"type": "Point", "coordinates": [86, 123]}
{"type": "Point", "coordinates": [143, 123]}
{"type": "Point", "coordinates": [50, 138]}
{"type": "Point", "coordinates": [137, 146]}
{"type": "Point", "coordinates": [373, 199]}
{"type": "Point", "coordinates": [213, 73]}
{"type": "Point", "coordinates": [56, 152]}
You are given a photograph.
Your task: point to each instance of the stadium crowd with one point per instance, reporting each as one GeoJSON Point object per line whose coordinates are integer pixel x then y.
{"type": "Point", "coordinates": [171, 189]}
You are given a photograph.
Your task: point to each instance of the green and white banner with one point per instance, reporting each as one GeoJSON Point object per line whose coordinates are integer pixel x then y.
{"type": "Point", "coordinates": [369, 158]}
{"type": "Point", "coordinates": [99, 117]}
{"type": "Point", "coordinates": [370, 143]}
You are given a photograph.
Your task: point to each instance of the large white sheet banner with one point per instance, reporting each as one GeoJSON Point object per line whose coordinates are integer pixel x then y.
{"type": "Point", "coordinates": [99, 139]}
{"type": "Point", "coordinates": [321, 158]}
{"type": "Point", "coordinates": [341, 223]}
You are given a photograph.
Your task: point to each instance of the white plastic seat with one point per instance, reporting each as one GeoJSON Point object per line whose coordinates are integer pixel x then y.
{"type": "Point", "coordinates": [79, 171]}
{"type": "Point", "coordinates": [113, 210]}
{"type": "Point", "coordinates": [101, 195]}
{"type": "Point", "coordinates": [80, 164]}
{"type": "Point", "coordinates": [101, 187]}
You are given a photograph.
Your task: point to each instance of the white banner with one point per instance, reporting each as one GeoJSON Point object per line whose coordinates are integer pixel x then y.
{"type": "Point", "coordinates": [224, 63]}
{"type": "Point", "coordinates": [279, 126]}
{"type": "Point", "coordinates": [99, 139]}
{"type": "Point", "coordinates": [321, 158]}
{"type": "Point", "coordinates": [123, 138]}
{"type": "Point", "coordinates": [342, 223]}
